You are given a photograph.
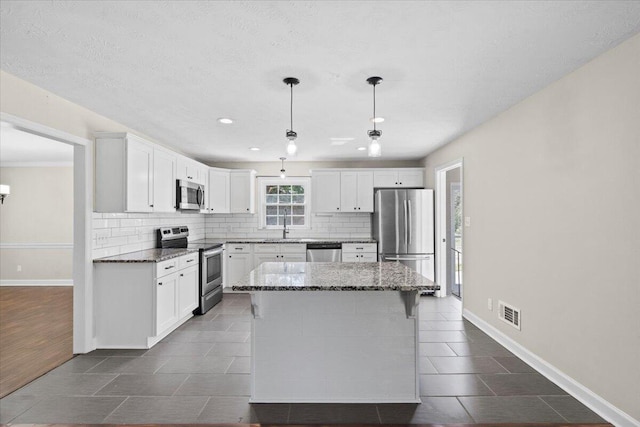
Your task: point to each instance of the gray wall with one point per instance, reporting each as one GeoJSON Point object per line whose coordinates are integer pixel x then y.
{"type": "Point", "coordinates": [552, 189]}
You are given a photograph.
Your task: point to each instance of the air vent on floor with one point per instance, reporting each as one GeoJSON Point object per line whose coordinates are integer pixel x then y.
{"type": "Point", "coordinates": [509, 314]}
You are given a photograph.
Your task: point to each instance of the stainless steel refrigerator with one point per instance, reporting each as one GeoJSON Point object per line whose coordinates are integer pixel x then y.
{"type": "Point", "coordinates": [403, 228]}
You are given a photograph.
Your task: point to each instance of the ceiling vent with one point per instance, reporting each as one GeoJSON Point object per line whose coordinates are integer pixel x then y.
{"type": "Point", "coordinates": [509, 314]}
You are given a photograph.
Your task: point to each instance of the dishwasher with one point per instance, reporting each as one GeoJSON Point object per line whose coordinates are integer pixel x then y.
{"type": "Point", "coordinates": [324, 252]}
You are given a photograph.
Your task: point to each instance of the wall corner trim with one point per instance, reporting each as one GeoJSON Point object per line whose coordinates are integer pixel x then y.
{"type": "Point", "coordinates": [587, 397]}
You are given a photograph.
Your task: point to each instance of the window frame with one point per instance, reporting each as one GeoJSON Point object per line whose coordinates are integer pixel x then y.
{"type": "Point", "coordinates": [263, 182]}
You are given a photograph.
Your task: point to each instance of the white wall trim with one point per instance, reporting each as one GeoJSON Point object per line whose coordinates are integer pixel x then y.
{"type": "Point", "coordinates": [82, 225]}
{"type": "Point", "coordinates": [441, 214]}
{"type": "Point", "coordinates": [59, 282]}
{"type": "Point", "coordinates": [36, 164]}
{"type": "Point", "coordinates": [590, 399]}
{"type": "Point", "coordinates": [36, 245]}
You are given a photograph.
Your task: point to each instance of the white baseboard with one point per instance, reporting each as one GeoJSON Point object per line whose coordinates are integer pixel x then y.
{"type": "Point", "coordinates": [61, 282]}
{"type": "Point", "coordinates": [588, 398]}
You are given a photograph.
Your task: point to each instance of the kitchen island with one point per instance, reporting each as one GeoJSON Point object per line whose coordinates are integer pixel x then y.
{"type": "Point", "coordinates": [334, 332]}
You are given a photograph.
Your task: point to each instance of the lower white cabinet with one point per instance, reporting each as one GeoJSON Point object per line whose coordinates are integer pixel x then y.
{"type": "Point", "coordinates": [359, 252]}
{"type": "Point", "coordinates": [238, 265]}
{"type": "Point", "coordinates": [139, 303]}
{"type": "Point", "coordinates": [279, 252]}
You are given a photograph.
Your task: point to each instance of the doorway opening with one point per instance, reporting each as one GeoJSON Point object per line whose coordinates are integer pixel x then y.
{"type": "Point", "coordinates": [449, 228]}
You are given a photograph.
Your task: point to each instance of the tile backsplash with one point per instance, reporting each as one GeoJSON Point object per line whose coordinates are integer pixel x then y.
{"type": "Point", "coordinates": [322, 225]}
{"type": "Point", "coordinates": [118, 233]}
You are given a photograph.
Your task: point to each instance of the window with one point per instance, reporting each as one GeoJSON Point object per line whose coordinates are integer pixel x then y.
{"type": "Point", "coordinates": [280, 197]}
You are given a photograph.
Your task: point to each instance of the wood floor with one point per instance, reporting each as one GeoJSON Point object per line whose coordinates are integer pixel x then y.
{"type": "Point", "coordinates": [36, 332]}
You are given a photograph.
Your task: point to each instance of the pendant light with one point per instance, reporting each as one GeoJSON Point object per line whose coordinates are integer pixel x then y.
{"type": "Point", "coordinates": [283, 173]}
{"type": "Point", "coordinates": [291, 134]}
{"type": "Point", "coordinates": [375, 149]}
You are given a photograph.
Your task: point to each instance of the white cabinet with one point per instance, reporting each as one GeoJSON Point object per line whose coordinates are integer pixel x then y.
{"type": "Point", "coordinates": [166, 309]}
{"type": "Point", "coordinates": [218, 191]}
{"type": "Point", "coordinates": [242, 191]}
{"type": "Point", "coordinates": [398, 178]}
{"type": "Point", "coordinates": [139, 303]}
{"type": "Point", "coordinates": [164, 181]}
{"type": "Point", "coordinates": [359, 252]}
{"type": "Point", "coordinates": [239, 262]}
{"type": "Point", "coordinates": [190, 170]}
{"type": "Point", "coordinates": [123, 173]}
{"type": "Point", "coordinates": [279, 252]}
{"type": "Point", "coordinates": [187, 291]}
{"type": "Point", "coordinates": [356, 191]}
{"type": "Point", "coordinates": [325, 191]}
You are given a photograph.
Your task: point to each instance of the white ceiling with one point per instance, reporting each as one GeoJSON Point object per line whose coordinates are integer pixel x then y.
{"type": "Point", "coordinates": [169, 69]}
{"type": "Point", "coordinates": [23, 148]}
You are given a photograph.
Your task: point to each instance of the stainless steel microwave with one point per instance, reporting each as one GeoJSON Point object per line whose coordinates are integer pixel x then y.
{"type": "Point", "coordinates": [189, 195]}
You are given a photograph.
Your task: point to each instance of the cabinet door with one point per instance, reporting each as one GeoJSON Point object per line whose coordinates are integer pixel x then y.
{"type": "Point", "coordinates": [187, 169]}
{"type": "Point", "coordinates": [350, 257]}
{"type": "Point", "coordinates": [364, 193]}
{"type": "Point", "coordinates": [369, 257]}
{"type": "Point", "coordinates": [187, 291]}
{"type": "Point", "coordinates": [238, 265]}
{"type": "Point", "coordinates": [348, 191]}
{"type": "Point", "coordinates": [411, 178]}
{"type": "Point", "coordinates": [218, 192]}
{"type": "Point", "coordinates": [326, 191]}
{"type": "Point", "coordinates": [164, 181]}
{"type": "Point", "coordinates": [242, 187]}
{"type": "Point", "coordinates": [201, 173]}
{"type": "Point", "coordinates": [385, 178]}
{"type": "Point", "coordinates": [166, 309]}
{"type": "Point", "coordinates": [139, 176]}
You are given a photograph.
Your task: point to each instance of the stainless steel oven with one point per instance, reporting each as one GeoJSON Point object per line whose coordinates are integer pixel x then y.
{"type": "Point", "coordinates": [189, 195]}
{"type": "Point", "coordinates": [210, 278]}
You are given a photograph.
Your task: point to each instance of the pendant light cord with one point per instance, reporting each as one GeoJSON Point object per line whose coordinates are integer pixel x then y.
{"type": "Point", "coordinates": [291, 112]}
{"type": "Point", "coordinates": [374, 106]}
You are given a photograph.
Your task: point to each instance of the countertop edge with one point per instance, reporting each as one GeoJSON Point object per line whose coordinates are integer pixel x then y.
{"type": "Point", "coordinates": [118, 258]}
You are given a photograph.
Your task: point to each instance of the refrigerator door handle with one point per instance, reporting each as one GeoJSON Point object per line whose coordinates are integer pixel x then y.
{"type": "Point", "coordinates": [409, 222]}
{"type": "Point", "coordinates": [406, 226]}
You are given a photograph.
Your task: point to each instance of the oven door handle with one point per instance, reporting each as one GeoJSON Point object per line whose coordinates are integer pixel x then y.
{"type": "Point", "coordinates": [213, 252]}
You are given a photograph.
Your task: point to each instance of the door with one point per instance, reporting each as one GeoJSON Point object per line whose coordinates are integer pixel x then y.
{"type": "Point", "coordinates": [218, 192]}
{"type": "Point", "coordinates": [326, 191]}
{"type": "Point", "coordinates": [419, 204]}
{"type": "Point", "coordinates": [139, 176]}
{"type": "Point", "coordinates": [241, 197]}
{"type": "Point", "coordinates": [187, 291]}
{"type": "Point", "coordinates": [348, 191]}
{"type": "Point", "coordinates": [237, 266]}
{"type": "Point", "coordinates": [389, 221]}
{"type": "Point", "coordinates": [166, 310]}
{"type": "Point", "coordinates": [411, 178]}
{"type": "Point", "coordinates": [385, 178]}
{"type": "Point", "coordinates": [164, 181]}
{"type": "Point", "coordinates": [365, 192]}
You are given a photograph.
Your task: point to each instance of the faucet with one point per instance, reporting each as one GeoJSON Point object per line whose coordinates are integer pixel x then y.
{"type": "Point", "coordinates": [284, 230]}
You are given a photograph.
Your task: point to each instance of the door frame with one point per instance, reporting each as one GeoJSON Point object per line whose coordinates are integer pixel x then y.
{"type": "Point", "coordinates": [82, 225]}
{"type": "Point", "coordinates": [441, 220]}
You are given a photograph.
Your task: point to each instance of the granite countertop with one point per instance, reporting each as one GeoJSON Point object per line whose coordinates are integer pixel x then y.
{"type": "Point", "coordinates": [334, 276]}
{"type": "Point", "coordinates": [148, 255]}
{"type": "Point", "coordinates": [294, 240]}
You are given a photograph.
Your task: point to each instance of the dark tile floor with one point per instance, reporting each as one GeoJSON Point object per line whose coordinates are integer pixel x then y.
{"type": "Point", "coordinates": [200, 374]}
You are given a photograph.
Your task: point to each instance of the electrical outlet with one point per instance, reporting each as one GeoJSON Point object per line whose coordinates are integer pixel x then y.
{"type": "Point", "coordinates": [467, 221]}
{"type": "Point", "coordinates": [18, 268]}
{"type": "Point", "coordinates": [489, 304]}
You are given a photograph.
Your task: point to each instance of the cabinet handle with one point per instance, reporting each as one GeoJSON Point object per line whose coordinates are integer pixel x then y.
{"type": "Point", "coordinates": [170, 267]}
{"type": "Point", "coordinates": [160, 283]}
{"type": "Point", "coordinates": [359, 249]}
{"type": "Point", "coordinates": [181, 275]}
{"type": "Point", "coordinates": [400, 183]}
{"type": "Point", "coordinates": [358, 208]}
{"type": "Point", "coordinates": [190, 260]}
{"type": "Point", "coordinates": [151, 206]}
{"type": "Point", "coordinates": [247, 208]}
{"type": "Point", "coordinates": [396, 183]}
{"type": "Point", "coordinates": [338, 209]}
{"type": "Point", "coordinates": [238, 249]}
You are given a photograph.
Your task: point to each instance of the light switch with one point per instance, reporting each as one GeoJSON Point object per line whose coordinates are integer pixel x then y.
{"type": "Point", "coordinates": [467, 221]}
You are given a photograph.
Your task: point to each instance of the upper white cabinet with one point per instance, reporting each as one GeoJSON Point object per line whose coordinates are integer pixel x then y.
{"type": "Point", "coordinates": [400, 178]}
{"type": "Point", "coordinates": [356, 191]}
{"type": "Point", "coordinates": [164, 180]}
{"type": "Point", "coordinates": [242, 191]}
{"type": "Point", "coordinates": [218, 190]}
{"type": "Point", "coordinates": [190, 170]}
{"type": "Point", "coordinates": [124, 173]}
{"type": "Point", "coordinates": [325, 191]}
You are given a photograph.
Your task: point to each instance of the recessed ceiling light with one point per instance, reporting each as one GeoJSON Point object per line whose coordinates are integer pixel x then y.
{"type": "Point", "coordinates": [377, 119]}
{"type": "Point", "coordinates": [254, 149]}
{"type": "Point", "coordinates": [362, 148]}
{"type": "Point", "coordinates": [225, 120]}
